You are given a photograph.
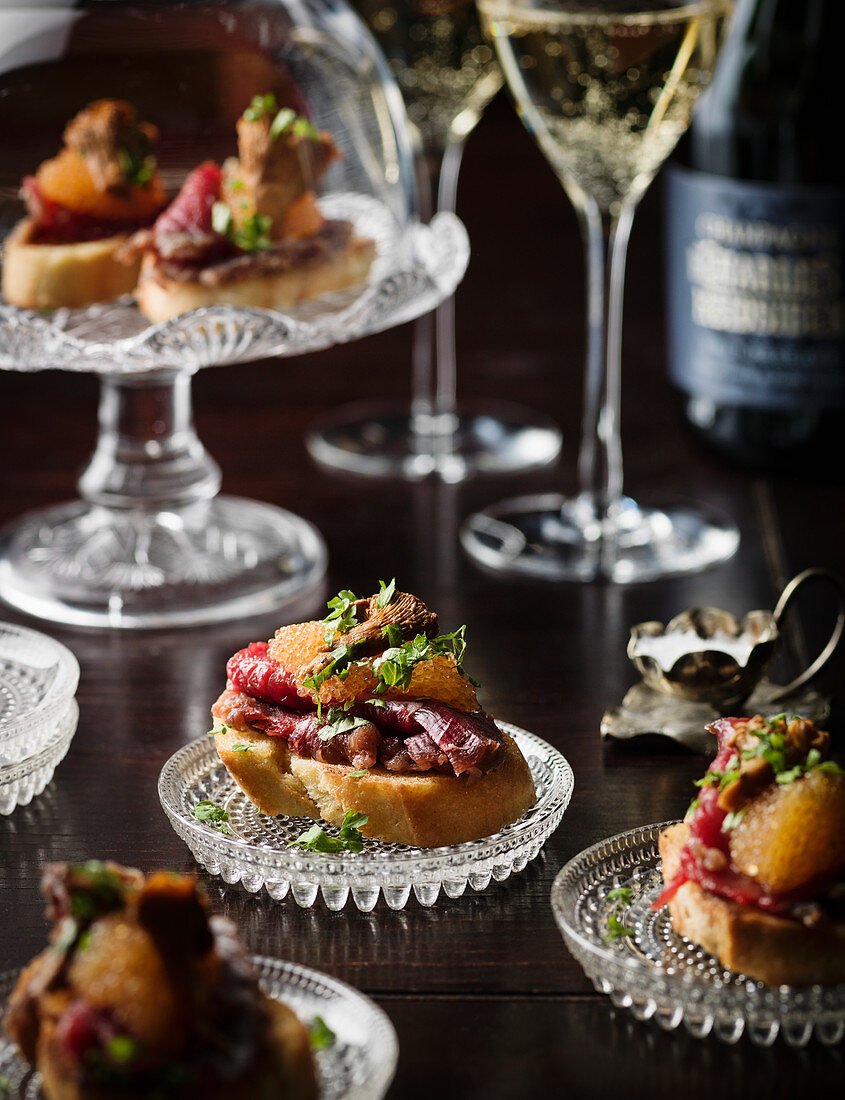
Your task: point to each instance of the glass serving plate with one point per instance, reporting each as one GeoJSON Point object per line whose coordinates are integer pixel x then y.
{"type": "Point", "coordinates": [358, 1065]}
{"type": "Point", "coordinates": [657, 974]}
{"type": "Point", "coordinates": [38, 678]}
{"type": "Point", "coordinates": [24, 780]}
{"type": "Point", "coordinates": [256, 850]}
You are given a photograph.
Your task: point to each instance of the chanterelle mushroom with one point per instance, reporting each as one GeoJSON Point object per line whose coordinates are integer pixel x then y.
{"type": "Point", "coordinates": [405, 612]}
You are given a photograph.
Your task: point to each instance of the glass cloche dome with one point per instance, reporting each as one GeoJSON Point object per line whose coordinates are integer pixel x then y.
{"type": "Point", "coordinates": [294, 229]}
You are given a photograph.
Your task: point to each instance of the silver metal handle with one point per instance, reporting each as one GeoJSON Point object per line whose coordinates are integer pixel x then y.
{"type": "Point", "coordinates": [786, 599]}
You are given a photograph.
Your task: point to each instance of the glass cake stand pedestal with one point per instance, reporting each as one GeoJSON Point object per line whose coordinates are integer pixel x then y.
{"type": "Point", "coordinates": [151, 543]}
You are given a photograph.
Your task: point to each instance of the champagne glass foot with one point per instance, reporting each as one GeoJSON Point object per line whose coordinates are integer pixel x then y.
{"type": "Point", "coordinates": [91, 565]}
{"type": "Point", "coordinates": [386, 440]}
{"type": "Point", "coordinates": [551, 537]}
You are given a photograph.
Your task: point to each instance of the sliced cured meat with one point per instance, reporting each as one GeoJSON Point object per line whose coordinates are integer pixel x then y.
{"type": "Point", "coordinates": [254, 672]}
{"type": "Point", "coordinates": [399, 736]}
{"type": "Point", "coordinates": [190, 211]}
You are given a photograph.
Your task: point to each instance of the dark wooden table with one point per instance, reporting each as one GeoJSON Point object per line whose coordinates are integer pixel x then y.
{"type": "Point", "coordinates": [486, 999]}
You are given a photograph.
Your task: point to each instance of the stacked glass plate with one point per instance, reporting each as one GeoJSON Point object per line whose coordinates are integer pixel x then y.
{"type": "Point", "coordinates": [38, 711]}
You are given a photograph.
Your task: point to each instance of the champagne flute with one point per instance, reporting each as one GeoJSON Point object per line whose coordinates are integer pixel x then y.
{"type": "Point", "coordinates": [447, 73]}
{"type": "Point", "coordinates": [607, 89]}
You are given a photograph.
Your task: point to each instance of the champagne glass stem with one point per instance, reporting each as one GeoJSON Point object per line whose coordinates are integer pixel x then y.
{"type": "Point", "coordinates": [600, 472]}
{"type": "Point", "coordinates": [434, 397]}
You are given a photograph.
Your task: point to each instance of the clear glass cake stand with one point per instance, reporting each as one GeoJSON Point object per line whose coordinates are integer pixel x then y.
{"type": "Point", "coordinates": [150, 542]}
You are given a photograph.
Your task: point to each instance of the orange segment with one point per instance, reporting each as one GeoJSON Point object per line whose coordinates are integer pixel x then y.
{"type": "Point", "coordinates": [793, 834]}
{"type": "Point", "coordinates": [438, 678]}
{"type": "Point", "coordinates": [122, 972]}
{"type": "Point", "coordinates": [66, 180]}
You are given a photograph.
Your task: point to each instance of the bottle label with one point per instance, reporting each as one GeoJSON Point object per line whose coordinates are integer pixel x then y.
{"type": "Point", "coordinates": [756, 291]}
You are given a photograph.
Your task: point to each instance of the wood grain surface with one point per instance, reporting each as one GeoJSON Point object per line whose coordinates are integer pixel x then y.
{"type": "Point", "coordinates": [484, 995]}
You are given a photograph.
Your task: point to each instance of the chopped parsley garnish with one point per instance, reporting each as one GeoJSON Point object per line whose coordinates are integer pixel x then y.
{"type": "Point", "coordinates": [222, 728]}
{"type": "Point", "coordinates": [357, 774]}
{"type": "Point", "coordinates": [386, 593]}
{"type": "Point", "coordinates": [100, 892]}
{"type": "Point", "coordinates": [209, 813]}
{"type": "Point", "coordinates": [616, 928]}
{"type": "Point", "coordinates": [260, 107]}
{"type": "Point", "coordinates": [619, 898]}
{"type": "Point", "coordinates": [321, 1034]}
{"type": "Point", "coordinates": [283, 120]}
{"type": "Point", "coordinates": [122, 1049]}
{"type": "Point", "coordinates": [395, 667]}
{"type": "Point", "coordinates": [251, 236]}
{"type": "Point", "coordinates": [732, 819]}
{"type": "Point", "coordinates": [239, 747]}
{"type": "Point", "coordinates": [136, 162]}
{"type": "Point", "coordinates": [316, 839]}
{"type": "Point", "coordinates": [338, 721]}
{"type": "Point", "coordinates": [341, 617]}
{"type": "Point", "coordinates": [338, 663]}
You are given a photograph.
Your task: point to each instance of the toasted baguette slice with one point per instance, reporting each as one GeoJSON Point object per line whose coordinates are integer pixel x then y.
{"type": "Point", "coordinates": [56, 276]}
{"type": "Point", "coordinates": [283, 1066]}
{"type": "Point", "coordinates": [772, 949]}
{"type": "Point", "coordinates": [423, 810]}
{"type": "Point", "coordinates": [161, 297]}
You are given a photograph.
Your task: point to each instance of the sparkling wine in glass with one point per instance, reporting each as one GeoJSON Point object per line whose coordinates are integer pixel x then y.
{"type": "Point", "coordinates": [607, 89]}
{"type": "Point", "coordinates": [447, 73]}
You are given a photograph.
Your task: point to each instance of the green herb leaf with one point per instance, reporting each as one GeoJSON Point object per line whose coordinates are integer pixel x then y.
{"type": "Point", "coordinates": [122, 1049]}
{"type": "Point", "coordinates": [338, 662]}
{"type": "Point", "coordinates": [620, 894]}
{"type": "Point", "coordinates": [222, 728]}
{"type": "Point", "coordinates": [303, 128]}
{"type": "Point", "coordinates": [240, 748]}
{"type": "Point", "coordinates": [386, 593]}
{"type": "Point", "coordinates": [320, 1033]}
{"type": "Point", "coordinates": [616, 928]}
{"type": "Point", "coordinates": [282, 121]}
{"type": "Point", "coordinates": [260, 107]}
{"type": "Point", "coordinates": [254, 233]}
{"type": "Point", "coordinates": [395, 667]}
{"type": "Point", "coordinates": [209, 813]}
{"type": "Point", "coordinates": [316, 839]}
{"type": "Point", "coordinates": [221, 219]}
{"type": "Point", "coordinates": [338, 721]}
{"type": "Point", "coordinates": [357, 774]}
{"type": "Point", "coordinates": [732, 819]}
{"type": "Point", "coordinates": [341, 617]}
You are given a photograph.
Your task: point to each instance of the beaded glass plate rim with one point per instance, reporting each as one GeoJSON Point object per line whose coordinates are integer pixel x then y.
{"type": "Point", "coordinates": [61, 689]}
{"type": "Point", "coordinates": [51, 754]}
{"type": "Point", "coordinates": [364, 867]}
{"type": "Point", "coordinates": [283, 980]}
{"type": "Point", "coordinates": [641, 979]}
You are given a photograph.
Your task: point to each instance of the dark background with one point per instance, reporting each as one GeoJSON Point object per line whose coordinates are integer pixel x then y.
{"type": "Point", "coordinates": [484, 995]}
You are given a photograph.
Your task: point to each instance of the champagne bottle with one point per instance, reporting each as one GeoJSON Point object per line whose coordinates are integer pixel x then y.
{"type": "Point", "coordinates": [756, 241]}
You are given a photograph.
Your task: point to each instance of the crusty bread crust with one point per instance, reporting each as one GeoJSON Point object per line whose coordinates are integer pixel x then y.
{"type": "Point", "coordinates": [422, 810]}
{"type": "Point", "coordinates": [284, 1066]}
{"type": "Point", "coordinates": [69, 276]}
{"type": "Point", "coordinates": [772, 949]}
{"type": "Point", "coordinates": [160, 297]}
